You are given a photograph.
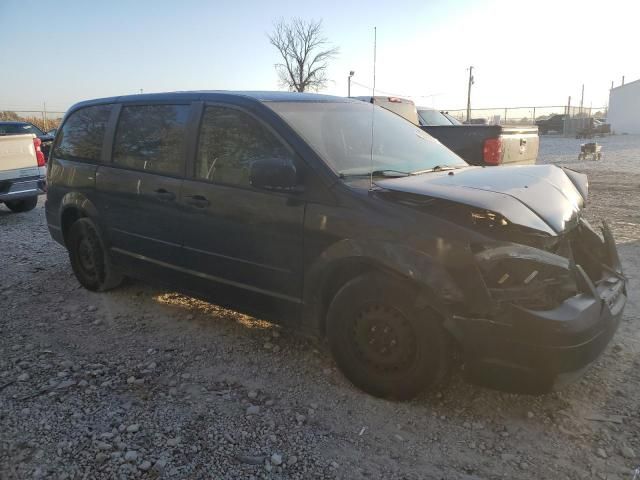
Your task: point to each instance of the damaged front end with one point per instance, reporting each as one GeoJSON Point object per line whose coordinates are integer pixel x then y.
{"type": "Point", "coordinates": [552, 308]}
{"type": "Point", "coordinates": [579, 261]}
{"type": "Point", "coordinates": [541, 292]}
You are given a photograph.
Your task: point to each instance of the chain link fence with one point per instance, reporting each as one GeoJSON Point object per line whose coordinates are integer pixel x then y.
{"type": "Point", "coordinates": [525, 115]}
{"type": "Point", "coordinates": [45, 120]}
{"type": "Point", "coordinates": [514, 116]}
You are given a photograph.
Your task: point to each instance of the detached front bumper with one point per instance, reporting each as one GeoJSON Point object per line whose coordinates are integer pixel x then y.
{"type": "Point", "coordinates": [533, 351]}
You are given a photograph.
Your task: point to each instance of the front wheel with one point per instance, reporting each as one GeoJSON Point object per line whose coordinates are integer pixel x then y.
{"type": "Point", "coordinates": [23, 205]}
{"type": "Point", "coordinates": [383, 341]}
{"type": "Point", "coordinates": [89, 258]}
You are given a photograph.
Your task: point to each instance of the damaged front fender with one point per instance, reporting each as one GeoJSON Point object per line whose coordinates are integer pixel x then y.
{"type": "Point", "coordinates": [444, 271]}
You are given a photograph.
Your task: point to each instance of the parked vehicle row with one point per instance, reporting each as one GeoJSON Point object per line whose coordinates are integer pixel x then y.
{"type": "Point", "coordinates": [342, 219]}
{"type": "Point", "coordinates": [555, 123]}
{"type": "Point", "coordinates": [22, 171]}
{"type": "Point", "coordinates": [488, 145]}
{"type": "Point", "coordinates": [594, 127]}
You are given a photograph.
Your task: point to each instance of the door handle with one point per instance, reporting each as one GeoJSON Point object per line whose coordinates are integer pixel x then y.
{"type": "Point", "coordinates": [197, 201]}
{"type": "Point", "coordinates": [165, 195]}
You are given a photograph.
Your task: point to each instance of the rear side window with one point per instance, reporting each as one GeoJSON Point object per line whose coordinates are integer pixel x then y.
{"type": "Point", "coordinates": [82, 134]}
{"type": "Point", "coordinates": [152, 138]}
{"type": "Point", "coordinates": [230, 141]}
{"type": "Point", "coordinates": [433, 117]}
{"type": "Point", "coordinates": [19, 128]}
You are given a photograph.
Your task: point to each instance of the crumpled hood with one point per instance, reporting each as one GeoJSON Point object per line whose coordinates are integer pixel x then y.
{"type": "Point", "coordinates": [542, 197]}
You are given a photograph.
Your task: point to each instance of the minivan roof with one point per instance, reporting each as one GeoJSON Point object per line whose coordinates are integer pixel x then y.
{"type": "Point", "coordinates": [213, 95]}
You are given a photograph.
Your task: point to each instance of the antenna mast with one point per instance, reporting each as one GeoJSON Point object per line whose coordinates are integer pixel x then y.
{"type": "Point", "coordinates": [373, 106]}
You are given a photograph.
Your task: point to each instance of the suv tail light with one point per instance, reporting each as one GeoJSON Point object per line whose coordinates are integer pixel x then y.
{"type": "Point", "coordinates": [39, 153]}
{"type": "Point", "coordinates": [492, 151]}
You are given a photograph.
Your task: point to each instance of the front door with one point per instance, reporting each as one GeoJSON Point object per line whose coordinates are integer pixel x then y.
{"type": "Point", "coordinates": [141, 188]}
{"type": "Point", "coordinates": [245, 244]}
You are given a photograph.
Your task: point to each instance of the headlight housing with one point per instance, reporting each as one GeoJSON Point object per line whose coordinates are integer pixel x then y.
{"type": "Point", "coordinates": [525, 276]}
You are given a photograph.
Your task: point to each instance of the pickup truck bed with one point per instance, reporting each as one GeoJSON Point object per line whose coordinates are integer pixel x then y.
{"type": "Point", "coordinates": [518, 145]}
{"type": "Point", "coordinates": [22, 171]}
{"type": "Point", "coordinates": [475, 144]}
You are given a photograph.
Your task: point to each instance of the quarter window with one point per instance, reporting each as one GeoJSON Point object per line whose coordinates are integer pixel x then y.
{"type": "Point", "coordinates": [152, 138]}
{"type": "Point", "coordinates": [82, 134]}
{"type": "Point", "coordinates": [230, 141]}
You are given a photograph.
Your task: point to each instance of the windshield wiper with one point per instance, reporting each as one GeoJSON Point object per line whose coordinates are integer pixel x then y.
{"type": "Point", "coordinates": [375, 173]}
{"type": "Point", "coordinates": [437, 168]}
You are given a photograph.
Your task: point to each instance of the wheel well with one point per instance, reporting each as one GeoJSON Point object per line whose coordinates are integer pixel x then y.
{"type": "Point", "coordinates": [69, 216]}
{"type": "Point", "coordinates": [340, 275]}
{"type": "Point", "coordinates": [352, 269]}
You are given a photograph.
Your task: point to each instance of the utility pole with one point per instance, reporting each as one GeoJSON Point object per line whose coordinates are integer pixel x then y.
{"type": "Point", "coordinates": [582, 100]}
{"type": "Point", "coordinates": [469, 93]}
{"type": "Point", "coordinates": [566, 123]}
{"type": "Point", "coordinates": [351, 74]}
{"type": "Point", "coordinates": [44, 115]}
{"type": "Point", "coordinates": [622, 79]}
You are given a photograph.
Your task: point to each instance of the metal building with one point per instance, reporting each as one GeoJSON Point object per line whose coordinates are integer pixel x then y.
{"type": "Point", "coordinates": [624, 108]}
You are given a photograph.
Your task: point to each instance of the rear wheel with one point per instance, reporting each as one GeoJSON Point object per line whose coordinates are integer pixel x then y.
{"type": "Point", "coordinates": [89, 258]}
{"type": "Point", "coordinates": [383, 341]}
{"type": "Point", "coordinates": [23, 205]}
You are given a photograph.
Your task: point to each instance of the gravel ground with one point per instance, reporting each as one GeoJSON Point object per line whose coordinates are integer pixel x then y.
{"type": "Point", "coordinates": [145, 383]}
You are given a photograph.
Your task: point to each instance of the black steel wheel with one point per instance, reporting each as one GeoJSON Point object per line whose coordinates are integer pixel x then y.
{"type": "Point", "coordinates": [90, 260]}
{"type": "Point", "coordinates": [383, 338]}
{"type": "Point", "coordinates": [383, 341]}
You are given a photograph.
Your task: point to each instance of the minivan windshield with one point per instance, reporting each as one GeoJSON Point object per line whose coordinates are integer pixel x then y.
{"type": "Point", "coordinates": [341, 133]}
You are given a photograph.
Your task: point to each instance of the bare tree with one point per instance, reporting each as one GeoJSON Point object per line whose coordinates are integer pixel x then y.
{"type": "Point", "coordinates": [306, 53]}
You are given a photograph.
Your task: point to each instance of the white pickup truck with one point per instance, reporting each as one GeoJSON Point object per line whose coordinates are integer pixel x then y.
{"type": "Point", "coordinates": [22, 171]}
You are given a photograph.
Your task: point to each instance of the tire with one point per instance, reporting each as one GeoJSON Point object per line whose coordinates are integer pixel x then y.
{"type": "Point", "coordinates": [89, 258]}
{"type": "Point", "coordinates": [23, 205]}
{"type": "Point", "coordinates": [383, 341]}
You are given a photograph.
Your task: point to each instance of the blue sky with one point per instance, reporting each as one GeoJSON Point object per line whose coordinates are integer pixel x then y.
{"type": "Point", "coordinates": [525, 53]}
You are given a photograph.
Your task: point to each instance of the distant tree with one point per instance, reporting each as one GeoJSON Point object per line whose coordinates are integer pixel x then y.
{"type": "Point", "coordinates": [38, 121]}
{"type": "Point", "coordinates": [305, 53]}
{"type": "Point", "coordinates": [8, 115]}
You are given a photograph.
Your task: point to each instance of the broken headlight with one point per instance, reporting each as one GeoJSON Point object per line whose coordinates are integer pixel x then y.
{"type": "Point", "coordinates": [525, 276]}
{"type": "Point", "coordinates": [487, 219]}
{"type": "Point", "coordinates": [498, 227]}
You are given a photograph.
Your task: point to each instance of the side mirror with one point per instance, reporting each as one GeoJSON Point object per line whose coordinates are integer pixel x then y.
{"type": "Point", "coordinates": [275, 174]}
